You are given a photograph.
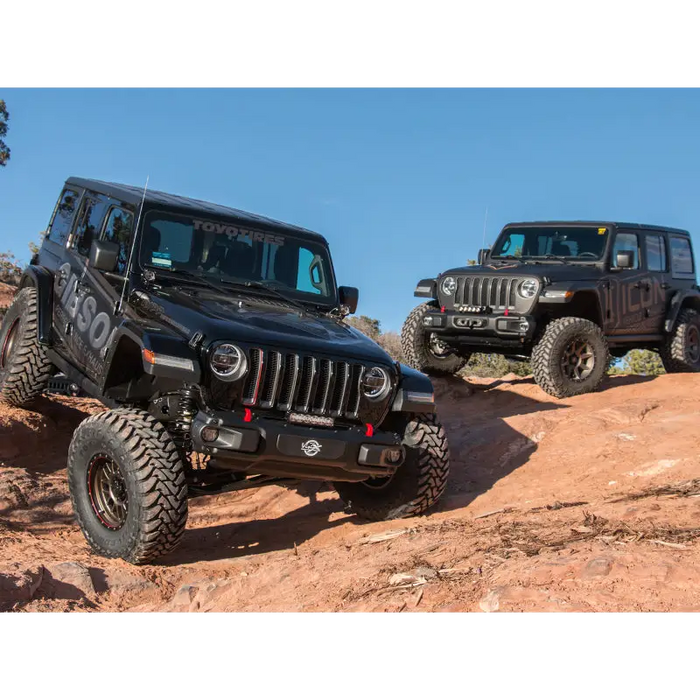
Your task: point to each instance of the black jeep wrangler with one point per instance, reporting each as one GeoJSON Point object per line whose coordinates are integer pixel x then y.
{"type": "Point", "coordinates": [564, 295]}
{"type": "Point", "coordinates": [217, 339]}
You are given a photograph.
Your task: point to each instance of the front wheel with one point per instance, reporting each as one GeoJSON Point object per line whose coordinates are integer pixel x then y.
{"type": "Point", "coordinates": [424, 351]}
{"type": "Point", "coordinates": [681, 349]}
{"type": "Point", "coordinates": [127, 485]}
{"type": "Point", "coordinates": [570, 358]}
{"type": "Point", "coordinates": [417, 484]}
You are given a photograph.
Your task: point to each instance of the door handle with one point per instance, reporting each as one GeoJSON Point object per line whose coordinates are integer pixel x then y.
{"type": "Point", "coordinates": [640, 285]}
{"type": "Point", "coordinates": [665, 285]}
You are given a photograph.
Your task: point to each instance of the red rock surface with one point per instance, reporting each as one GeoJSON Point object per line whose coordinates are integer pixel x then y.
{"type": "Point", "coordinates": [578, 504]}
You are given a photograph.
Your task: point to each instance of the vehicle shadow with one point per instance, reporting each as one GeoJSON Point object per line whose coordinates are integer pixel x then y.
{"type": "Point", "coordinates": [256, 536]}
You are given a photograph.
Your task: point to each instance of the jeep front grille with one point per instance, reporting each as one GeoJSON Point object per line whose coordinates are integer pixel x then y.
{"type": "Point", "coordinates": [303, 384]}
{"type": "Point", "coordinates": [495, 292]}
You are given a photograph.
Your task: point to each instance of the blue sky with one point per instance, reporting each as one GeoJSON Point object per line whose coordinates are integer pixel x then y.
{"type": "Point", "coordinates": [397, 180]}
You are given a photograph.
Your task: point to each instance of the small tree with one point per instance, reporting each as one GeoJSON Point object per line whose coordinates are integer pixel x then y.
{"type": "Point", "coordinates": [644, 362]}
{"type": "Point", "coordinates": [10, 271]}
{"type": "Point", "coordinates": [4, 149]}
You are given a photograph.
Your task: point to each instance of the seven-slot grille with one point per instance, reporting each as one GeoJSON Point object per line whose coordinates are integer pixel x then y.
{"type": "Point", "coordinates": [303, 384]}
{"type": "Point", "coordinates": [495, 292]}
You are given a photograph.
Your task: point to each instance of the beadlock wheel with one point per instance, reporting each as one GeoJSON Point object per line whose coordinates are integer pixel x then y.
{"type": "Point", "coordinates": [107, 489]}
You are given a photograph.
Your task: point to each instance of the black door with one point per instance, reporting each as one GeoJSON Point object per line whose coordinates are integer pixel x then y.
{"type": "Point", "coordinates": [626, 314]}
{"type": "Point", "coordinates": [655, 289]}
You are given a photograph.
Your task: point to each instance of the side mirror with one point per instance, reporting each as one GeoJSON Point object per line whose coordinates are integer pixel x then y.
{"type": "Point", "coordinates": [104, 256]}
{"type": "Point", "coordinates": [624, 259]}
{"type": "Point", "coordinates": [349, 297]}
{"type": "Point", "coordinates": [483, 254]}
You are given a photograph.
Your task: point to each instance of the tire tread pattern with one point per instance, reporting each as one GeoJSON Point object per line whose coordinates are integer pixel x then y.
{"type": "Point", "coordinates": [673, 351]}
{"type": "Point", "coordinates": [160, 474]}
{"type": "Point", "coordinates": [30, 369]}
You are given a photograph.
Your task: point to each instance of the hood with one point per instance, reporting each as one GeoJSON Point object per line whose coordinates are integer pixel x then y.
{"type": "Point", "coordinates": [555, 271]}
{"type": "Point", "coordinates": [256, 321]}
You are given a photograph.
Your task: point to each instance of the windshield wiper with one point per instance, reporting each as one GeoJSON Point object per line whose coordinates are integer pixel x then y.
{"type": "Point", "coordinates": [549, 256]}
{"type": "Point", "coordinates": [254, 284]}
{"type": "Point", "coordinates": [194, 277]}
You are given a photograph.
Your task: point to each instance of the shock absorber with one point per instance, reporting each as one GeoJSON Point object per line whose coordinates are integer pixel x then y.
{"type": "Point", "coordinates": [182, 427]}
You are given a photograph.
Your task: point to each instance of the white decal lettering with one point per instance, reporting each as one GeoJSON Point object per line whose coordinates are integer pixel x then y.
{"type": "Point", "coordinates": [99, 330]}
{"type": "Point", "coordinates": [86, 313]}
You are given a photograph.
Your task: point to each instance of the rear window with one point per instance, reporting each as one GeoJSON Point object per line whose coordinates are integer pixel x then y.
{"type": "Point", "coordinates": [681, 256]}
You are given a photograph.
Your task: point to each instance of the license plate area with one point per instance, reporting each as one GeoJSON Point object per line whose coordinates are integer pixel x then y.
{"type": "Point", "coordinates": [470, 322]}
{"type": "Point", "coordinates": [310, 448]}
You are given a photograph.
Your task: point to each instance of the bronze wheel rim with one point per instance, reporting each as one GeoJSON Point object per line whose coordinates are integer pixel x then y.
{"type": "Point", "coordinates": [107, 489]}
{"type": "Point", "coordinates": [578, 360]}
{"type": "Point", "coordinates": [8, 344]}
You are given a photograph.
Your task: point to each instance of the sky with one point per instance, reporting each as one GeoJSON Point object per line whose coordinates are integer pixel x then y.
{"type": "Point", "coordinates": [398, 181]}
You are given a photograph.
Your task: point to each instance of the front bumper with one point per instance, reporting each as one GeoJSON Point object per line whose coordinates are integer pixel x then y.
{"type": "Point", "coordinates": [278, 448]}
{"type": "Point", "coordinates": [480, 328]}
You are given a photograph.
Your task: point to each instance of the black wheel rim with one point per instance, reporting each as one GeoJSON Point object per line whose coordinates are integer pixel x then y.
{"type": "Point", "coordinates": [693, 344]}
{"type": "Point", "coordinates": [437, 348]}
{"type": "Point", "coordinates": [107, 488]}
{"type": "Point", "coordinates": [578, 360]}
{"type": "Point", "coordinates": [8, 345]}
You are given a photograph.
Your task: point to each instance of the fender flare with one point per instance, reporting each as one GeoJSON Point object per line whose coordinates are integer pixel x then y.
{"type": "Point", "coordinates": [678, 301]}
{"type": "Point", "coordinates": [163, 343]}
{"type": "Point", "coordinates": [415, 392]}
{"type": "Point", "coordinates": [42, 280]}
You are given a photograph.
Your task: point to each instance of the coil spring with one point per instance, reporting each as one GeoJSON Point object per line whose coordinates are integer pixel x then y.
{"type": "Point", "coordinates": [186, 409]}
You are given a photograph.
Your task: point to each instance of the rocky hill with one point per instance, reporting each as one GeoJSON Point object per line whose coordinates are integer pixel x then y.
{"type": "Point", "coordinates": [588, 503]}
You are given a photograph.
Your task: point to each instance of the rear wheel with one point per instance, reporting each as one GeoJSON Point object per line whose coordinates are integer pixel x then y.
{"type": "Point", "coordinates": [127, 485]}
{"type": "Point", "coordinates": [25, 369]}
{"type": "Point", "coordinates": [425, 351]}
{"type": "Point", "coordinates": [417, 484]}
{"type": "Point", "coordinates": [570, 358]}
{"type": "Point", "coordinates": [681, 350]}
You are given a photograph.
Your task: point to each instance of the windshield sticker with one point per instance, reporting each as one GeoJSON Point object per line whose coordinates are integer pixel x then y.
{"type": "Point", "coordinates": [241, 234]}
{"type": "Point", "coordinates": [162, 259]}
{"type": "Point", "coordinates": [601, 231]}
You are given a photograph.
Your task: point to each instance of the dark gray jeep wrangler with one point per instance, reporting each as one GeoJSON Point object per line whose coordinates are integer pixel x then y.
{"type": "Point", "coordinates": [564, 295]}
{"type": "Point", "coordinates": [217, 339]}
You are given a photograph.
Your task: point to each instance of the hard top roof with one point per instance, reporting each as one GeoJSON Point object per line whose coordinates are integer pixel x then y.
{"type": "Point", "coordinates": [133, 195]}
{"type": "Point", "coordinates": [616, 224]}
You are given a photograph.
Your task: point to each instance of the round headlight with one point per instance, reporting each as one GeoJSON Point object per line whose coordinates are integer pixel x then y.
{"type": "Point", "coordinates": [228, 362]}
{"type": "Point", "coordinates": [528, 289]}
{"type": "Point", "coordinates": [375, 383]}
{"type": "Point", "coordinates": [448, 286]}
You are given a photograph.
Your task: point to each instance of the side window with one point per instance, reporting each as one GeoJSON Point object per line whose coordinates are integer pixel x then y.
{"type": "Point", "coordinates": [310, 276]}
{"type": "Point", "coordinates": [681, 256]}
{"type": "Point", "coordinates": [92, 213]}
{"type": "Point", "coordinates": [626, 241]}
{"type": "Point", "coordinates": [118, 230]}
{"type": "Point", "coordinates": [63, 216]}
{"type": "Point", "coordinates": [656, 253]}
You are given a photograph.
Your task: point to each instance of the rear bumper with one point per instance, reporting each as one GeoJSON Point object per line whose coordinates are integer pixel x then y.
{"type": "Point", "coordinates": [277, 448]}
{"type": "Point", "coordinates": [466, 328]}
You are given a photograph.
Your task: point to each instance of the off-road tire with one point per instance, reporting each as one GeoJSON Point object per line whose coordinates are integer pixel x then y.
{"type": "Point", "coordinates": [417, 484]}
{"type": "Point", "coordinates": [548, 353]}
{"type": "Point", "coordinates": [414, 343]}
{"type": "Point", "coordinates": [154, 480]}
{"type": "Point", "coordinates": [25, 369]}
{"type": "Point", "coordinates": [676, 354]}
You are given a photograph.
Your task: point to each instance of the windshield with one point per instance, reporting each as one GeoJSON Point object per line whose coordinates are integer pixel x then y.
{"type": "Point", "coordinates": [224, 251]}
{"type": "Point", "coordinates": [567, 242]}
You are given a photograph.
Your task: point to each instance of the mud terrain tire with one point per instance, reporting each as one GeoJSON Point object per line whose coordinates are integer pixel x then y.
{"type": "Point", "coordinates": [681, 349]}
{"type": "Point", "coordinates": [24, 368]}
{"type": "Point", "coordinates": [417, 484]}
{"type": "Point", "coordinates": [570, 358]}
{"type": "Point", "coordinates": [127, 485]}
{"type": "Point", "coordinates": [416, 349]}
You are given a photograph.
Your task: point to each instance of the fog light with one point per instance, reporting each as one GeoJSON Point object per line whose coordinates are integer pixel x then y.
{"type": "Point", "coordinates": [393, 456]}
{"type": "Point", "coordinates": [524, 326]}
{"type": "Point", "coordinates": [209, 434]}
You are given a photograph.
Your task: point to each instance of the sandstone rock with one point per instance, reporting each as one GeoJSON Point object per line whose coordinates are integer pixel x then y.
{"type": "Point", "coordinates": [67, 580]}
{"type": "Point", "coordinates": [597, 568]}
{"type": "Point", "coordinates": [19, 584]}
{"type": "Point", "coordinates": [125, 581]}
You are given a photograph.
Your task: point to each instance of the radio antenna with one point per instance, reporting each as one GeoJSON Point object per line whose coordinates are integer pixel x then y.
{"type": "Point", "coordinates": [133, 246]}
{"type": "Point", "coordinates": [486, 216]}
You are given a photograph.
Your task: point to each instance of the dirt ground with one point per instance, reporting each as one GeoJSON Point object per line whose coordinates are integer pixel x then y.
{"type": "Point", "coordinates": [582, 504]}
